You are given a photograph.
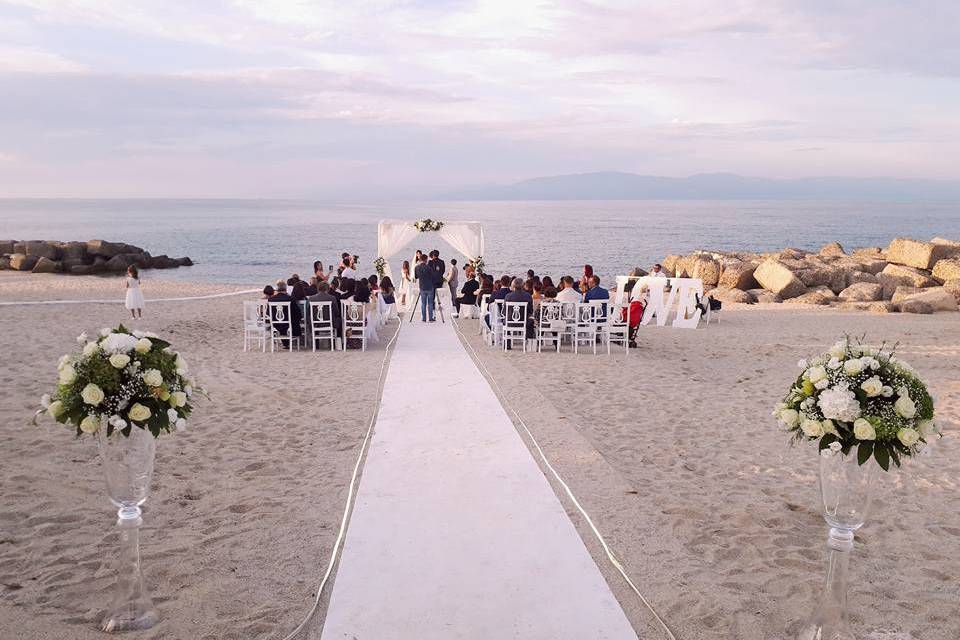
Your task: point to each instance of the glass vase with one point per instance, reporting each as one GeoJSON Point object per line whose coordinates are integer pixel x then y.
{"type": "Point", "coordinates": [128, 468]}
{"type": "Point", "coordinates": [846, 488]}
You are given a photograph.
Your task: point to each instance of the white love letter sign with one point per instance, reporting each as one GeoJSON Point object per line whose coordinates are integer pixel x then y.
{"type": "Point", "coordinates": [682, 299]}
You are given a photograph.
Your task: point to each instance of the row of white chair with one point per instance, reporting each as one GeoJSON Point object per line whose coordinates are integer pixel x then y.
{"type": "Point", "coordinates": [580, 323]}
{"type": "Point", "coordinates": [266, 322]}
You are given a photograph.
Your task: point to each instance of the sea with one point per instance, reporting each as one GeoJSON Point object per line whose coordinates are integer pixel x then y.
{"type": "Point", "coordinates": [255, 242]}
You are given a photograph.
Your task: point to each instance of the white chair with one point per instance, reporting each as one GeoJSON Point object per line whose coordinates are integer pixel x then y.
{"type": "Point", "coordinates": [585, 329]}
{"type": "Point", "coordinates": [354, 320]}
{"type": "Point", "coordinates": [278, 319]}
{"type": "Point", "coordinates": [321, 323]}
{"type": "Point", "coordinates": [484, 301]}
{"type": "Point", "coordinates": [254, 324]}
{"type": "Point", "coordinates": [568, 314]}
{"type": "Point", "coordinates": [712, 313]}
{"type": "Point", "coordinates": [495, 315]}
{"type": "Point", "coordinates": [616, 329]}
{"type": "Point", "coordinates": [467, 311]}
{"type": "Point", "coordinates": [385, 311]}
{"type": "Point", "coordinates": [515, 324]}
{"type": "Point", "coordinates": [551, 327]}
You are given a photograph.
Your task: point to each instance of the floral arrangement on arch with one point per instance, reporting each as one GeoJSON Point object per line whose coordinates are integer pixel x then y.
{"type": "Point", "coordinates": [428, 225]}
{"type": "Point", "coordinates": [478, 264]}
{"type": "Point", "coordinates": [859, 396]}
{"type": "Point", "coordinates": [122, 380]}
{"type": "Point", "coordinates": [381, 266]}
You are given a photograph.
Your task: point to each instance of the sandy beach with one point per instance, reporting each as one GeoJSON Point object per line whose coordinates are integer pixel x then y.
{"type": "Point", "coordinates": [671, 449]}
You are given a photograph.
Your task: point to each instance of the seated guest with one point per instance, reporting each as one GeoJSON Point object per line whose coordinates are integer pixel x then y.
{"type": "Point", "coordinates": [530, 274]}
{"type": "Point", "coordinates": [268, 292]}
{"type": "Point", "coordinates": [312, 287]}
{"type": "Point", "coordinates": [519, 295]}
{"type": "Point", "coordinates": [657, 271]}
{"type": "Point", "coordinates": [347, 287]}
{"type": "Point", "coordinates": [537, 291]}
{"type": "Point", "coordinates": [387, 291]}
{"type": "Point", "coordinates": [528, 285]}
{"type": "Point", "coordinates": [596, 292]}
{"type": "Point", "coordinates": [499, 294]}
{"type": "Point", "coordinates": [549, 293]}
{"type": "Point", "coordinates": [568, 293]}
{"type": "Point", "coordinates": [547, 282]}
{"type": "Point", "coordinates": [634, 313]}
{"type": "Point", "coordinates": [584, 282]}
{"type": "Point", "coordinates": [372, 282]}
{"type": "Point", "coordinates": [299, 291]}
{"type": "Point", "coordinates": [486, 287]}
{"type": "Point", "coordinates": [361, 292]}
{"type": "Point", "coordinates": [323, 295]}
{"type": "Point", "coordinates": [468, 294]}
{"type": "Point", "coordinates": [295, 315]}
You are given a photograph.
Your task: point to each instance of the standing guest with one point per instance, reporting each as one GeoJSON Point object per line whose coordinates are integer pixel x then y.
{"type": "Point", "coordinates": [427, 280]}
{"type": "Point", "coordinates": [134, 299]}
{"type": "Point", "coordinates": [468, 295]}
{"type": "Point", "coordinates": [319, 273]}
{"type": "Point", "coordinates": [438, 268]}
{"type": "Point", "coordinates": [568, 293]}
{"type": "Point", "coordinates": [658, 271]}
{"type": "Point", "coordinates": [406, 281]}
{"type": "Point", "coordinates": [453, 278]}
{"type": "Point", "coordinates": [349, 269]}
{"type": "Point", "coordinates": [323, 295]}
{"type": "Point", "coordinates": [584, 282]}
{"type": "Point", "coordinates": [531, 274]}
{"type": "Point", "coordinates": [596, 292]}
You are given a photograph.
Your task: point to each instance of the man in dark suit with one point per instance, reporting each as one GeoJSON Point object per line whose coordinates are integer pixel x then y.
{"type": "Point", "coordinates": [438, 267]}
{"type": "Point", "coordinates": [323, 295]}
{"type": "Point", "coordinates": [498, 294]}
{"type": "Point", "coordinates": [293, 314]}
{"type": "Point", "coordinates": [468, 294]}
{"type": "Point", "coordinates": [519, 295]}
{"type": "Point", "coordinates": [427, 281]}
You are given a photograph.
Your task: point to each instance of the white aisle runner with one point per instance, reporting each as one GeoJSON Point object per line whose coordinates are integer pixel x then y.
{"type": "Point", "coordinates": [456, 532]}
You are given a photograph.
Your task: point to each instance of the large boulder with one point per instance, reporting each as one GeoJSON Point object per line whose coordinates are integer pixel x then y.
{"type": "Point", "coordinates": [872, 307]}
{"type": "Point", "coordinates": [953, 286]}
{"type": "Point", "coordinates": [702, 267]}
{"type": "Point", "coordinates": [74, 250]}
{"type": "Point", "coordinates": [895, 275]}
{"type": "Point", "coordinates": [163, 262]}
{"type": "Point", "coordinates": [69, 263]}
{"type": "Point", "coordinates": [105, 249]}
{"type": "Point", "coordinates": [46, 265]}
{"type": "Point", "coordinates": [669, 265]}
{"type": "Point", "coordinates": [738, 296]}
{"type": "Point", "coordinates": [832, 249]}
{"type": "Point", "coordinates": [738, 275]}
{"type": "Point", "coordinates": [811, 297]}
{"type": "Point", "coordinates": [869, 252]}
{"type": "Point", "coordinates": [777, 278]}
{"type": "Point", "coordinates": [862, 292]}
{"type": "Point", "coordinates": [23, 262]}
{"type": "Point", "coordinates": [4, 263]}
{"type": "Point", "coordinates": [7, 247]}
{"type": "Point", "coordinates": [854, 277]}
{"type": "Point", "coordinates": [921, 255]}
{"type": "Point", "coordinates": [117, 263]}
{"type": "Point", "coordinates": [187, 262]}
{"type": "Point", "coordinates": [938, 298]}
{"type": "Point", "coordinates": [915, 306]}
{"type": "Point", "coordinates": [816, 275]}
{"type": "Point", "coordinates": [42, 249]}
{"type": "Point", "coordinates": [142, 260]}
{"type": "Point", "coordinates": [82, 270]}
{"type": "Point", "coordinates": [948, 269]}
{"type": "Point", "coordinates": [764, 296]}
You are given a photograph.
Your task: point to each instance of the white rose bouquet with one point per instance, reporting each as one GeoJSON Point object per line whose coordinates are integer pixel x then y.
{"type": "Point", "coordinates": [428, 225]}
{"type": "Point", "coordinates": [119, 381]}
{"type": "Point", "coordinates": [863, 397]}
{"type": "Point", "coordinates": [381, 266]}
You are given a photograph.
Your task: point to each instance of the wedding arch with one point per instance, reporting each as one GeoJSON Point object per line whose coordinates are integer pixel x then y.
{"type": "Point", "coordinates": [393, 235]}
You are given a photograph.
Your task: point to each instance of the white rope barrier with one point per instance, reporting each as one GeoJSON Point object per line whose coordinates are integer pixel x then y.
{"type": "Point", "coordinates": [338, 543]}
{"type": "Point", "coordinates": [543, 456]}
{"type": "Point", "coordinates": [183, 299]}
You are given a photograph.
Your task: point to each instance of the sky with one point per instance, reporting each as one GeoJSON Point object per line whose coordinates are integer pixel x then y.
{"type": "Point", "coordinates": [284, 98]}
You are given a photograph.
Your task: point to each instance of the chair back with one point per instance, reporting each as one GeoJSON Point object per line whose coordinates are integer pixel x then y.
{"type": "Point", "coordinates": [321, 315]}
{"type": "Point", "coordinates": [585, 312]}
{"type": "Point", "coordinates": [600, 310]}
{"type": "Point", "coordinates": [515, 315]}
{"type": "Point", "coordinates": [496, 313]}
{"type": "Point", "coordinates": [550, 312]}
{"type": "Point", "coordinates": [278, 317]}
{"type": "Point", "coordinates": [254, 313]}
{"type": "Point", "coordinates": [354, 314]}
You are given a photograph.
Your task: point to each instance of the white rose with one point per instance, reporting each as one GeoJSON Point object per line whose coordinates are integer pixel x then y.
{"type": "Point", "coordinates": [863, 430]}
{"type": "Point", "coordinates": [822, 384]}
{"type": "Point", "coordinates": [152, 377]}
{"type": "Point", "coordinates": [105, 332]}
{"type": "Point", "coordinates": [90, 424]}
{"type": "Point", "coordinates": [92, 394]}
{"type": "Point", "coordinates": [55, 409]}
{"type": "Point", "coordinates": [927, 428]}
{"type": "Point", "coordinates": [835, 447]}
{"type": "Point", "coordinates": [905, 407]}
{"type": "Point", "coordinates": [872, 386]}
{"type": "Point", "coordinates": [812, 428]}
{"type": "Point", "coordinates": [178, 399]}
{"type": "Point", "coordinates": [172, 416]}
{"type": "Point", "coordinates": [181, 425]}
{"type": "Point", "coordinates": [138, 412]}
{"type": "Point", "coordinates": [45, 400]}
{"type": "Point", "coordinates": [82, 338]}
{"type": "Point", "coordinates": [118, 343]}
{"type": "Point", "coordinates": [828, 427]}
{"type": "Point", "coordinates": [790, 418]}
{"type": "Point", "coordinates": [61, 363]}
{"type": "Point", "coordinates": [816, 374]}
{"type": "Point", "coordinates": [834, 363]}
{"type": "Point", "coordinates": [143, 345]}
{"type": "Point", "coordinates": [188, 390]}
{"type": "Point", "coordinates": [908, 437]}
{"type": "Point", "coordinates": [802, 364]}
{"type": "Point", "coordinates": [838, 350]}
{"type": "Point", "coordinates": [853, 367]}
{"type": "Point", "coordinates": [68, 374]}
{"type": "Point", "coordinates": [119, 360]}
{"type": "Point", "coordinates": [181, 365]}
{"type": "Point", "coordinates": [117, 422]}
{"type": "Point", "coordinates": [90, 348]}
{"type": "Point", "coordinates": [886, 392]}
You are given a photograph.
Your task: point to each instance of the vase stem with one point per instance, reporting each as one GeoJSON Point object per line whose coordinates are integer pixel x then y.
{"type": "Point", "coordinates": [132, 608]}
{"type": "Point", "coordinates": [829, 620]}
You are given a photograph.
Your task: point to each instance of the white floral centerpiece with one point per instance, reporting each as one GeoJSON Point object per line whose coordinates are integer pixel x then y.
{"type": "Point", "coordinates": [859, 396]}
{"type": "Point", "coordinates": [428, 225]}
{"type": "Point", "coordinates": [381, 266]}
{"type": "Point", "coordinates": [478, 264]}
{"type": "Point", "coordinates": [120, 381]}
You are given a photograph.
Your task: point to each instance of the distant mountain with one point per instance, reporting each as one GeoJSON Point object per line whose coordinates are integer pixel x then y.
{"type": "Point", "coordinates": [612, 185]}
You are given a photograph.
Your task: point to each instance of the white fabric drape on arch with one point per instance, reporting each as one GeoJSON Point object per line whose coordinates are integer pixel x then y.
{"type": "Point", "coordinates": [394, 235]}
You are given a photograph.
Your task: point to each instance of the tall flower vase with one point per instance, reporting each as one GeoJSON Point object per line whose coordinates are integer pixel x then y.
{"type": "Point", "coordinates": [128, 468]}
{"type": "Point", "coordinates": [846, 488]}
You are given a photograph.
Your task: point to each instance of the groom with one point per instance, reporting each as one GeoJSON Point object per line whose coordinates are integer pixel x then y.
{"type": "Point", "coordinates": [426, 279]}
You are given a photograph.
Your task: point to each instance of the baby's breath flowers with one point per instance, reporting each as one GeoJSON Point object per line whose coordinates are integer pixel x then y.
{"type": "Point", "coordinates": [863, 397]}
{"type": "Point", "coordinates": [119, 381]}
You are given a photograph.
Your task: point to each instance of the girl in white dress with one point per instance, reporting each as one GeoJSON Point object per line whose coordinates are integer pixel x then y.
{"type": "Point", "coordinates": [405, 280]}
{"type": "Point", "coordinates": [135, 299]}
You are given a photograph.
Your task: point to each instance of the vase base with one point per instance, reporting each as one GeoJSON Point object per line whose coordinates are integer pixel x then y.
{"type": "Point", "coordinates": [818, 632]}
{"type": "Point", "coordinates": [129, 621]}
